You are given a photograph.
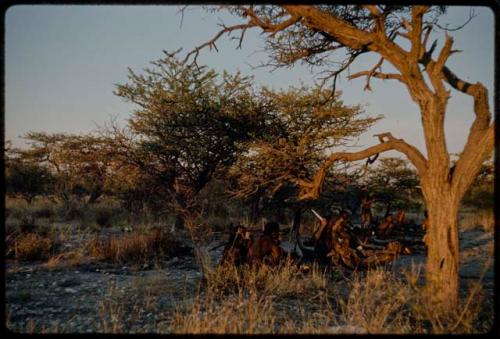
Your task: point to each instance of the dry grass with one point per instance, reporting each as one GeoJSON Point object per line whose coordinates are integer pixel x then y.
{"type": "Point", "coordinates": [283, 300]}
{"type": "Point", "coordinates": [378, 302]}
{"type": "Point", "coordinates": [32, 246]}
{"type": "Point", "coordinates": [135, 309]}
{"type": "Point", "coordinates": [285, 280]}
{"type": "Point", "coordinates": [133, 248]}
{"type": "Point", "coordinates": [66, 259]}
{"type": "Point", "coordinates": [484, 219]}
{"type": "Point", "coordinates": [251, 301]}
{"type": "Point", "coordinates": [237, 314]}
{"type": "Point", "coordinates": [112, 312]}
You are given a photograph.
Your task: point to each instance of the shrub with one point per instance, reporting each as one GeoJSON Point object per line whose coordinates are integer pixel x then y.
{"type": "Point", "coordinates": [32, 247]}
{"type": "Point", "coordinates": [73, 212]}
{"type": "Point", "coordinates": [136, 248]}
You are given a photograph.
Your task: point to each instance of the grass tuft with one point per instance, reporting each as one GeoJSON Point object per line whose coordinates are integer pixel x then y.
{"type": "Point", "coordinates": [135, 248]}
{"type": "Point", "coordinates": [32, 246]}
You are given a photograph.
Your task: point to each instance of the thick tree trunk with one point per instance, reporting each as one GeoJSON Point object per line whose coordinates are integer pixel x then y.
{"type": "Point", "coordinates": [443, 250]}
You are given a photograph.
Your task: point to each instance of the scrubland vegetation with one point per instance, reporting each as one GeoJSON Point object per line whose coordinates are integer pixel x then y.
{"type": "Point", "coordinates": [226, 299]}
{"type": "Point", "coordinates": [127, 222]}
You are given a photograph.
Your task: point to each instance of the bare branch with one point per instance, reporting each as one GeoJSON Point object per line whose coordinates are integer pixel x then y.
{"type": "Point", "coordinates": [285, 24]}
{"type": "Point", "coordinates": [379, 19]}
{"type": "Point", "coordinates": [428, 30]}
{"type": "Point", "coordinates": [373, 72]}
{"type": "Point", "coordinates": [335, 27]}
{"type": "Point", "coordinates": [416, 30]}
{"type": "Point", "coordinates": [306, 52]}
{"type": "Point", "coordinates": [310, 190]}
{"type": "Point", "coordinates": [211, 43]}
{"type": "Point", "coordinates": [383, 76]}
{"type": "Point", "coordinates": [183, 8]}
{"type": "Point", "coordinates": [342, 68]}
{"type": "Point", "coordinates": [241, 37]}
{"type": "Point", "coordinates": [444, 54]}
{"type": "Point", "coordinates": [472, 15]}
{"type": "Point", "coordinates": [406, 25]}
{"type": "Point", "coordinates": [369, 161]}
{"type": "Point", "coordinates": [404, 35]}
{"type": "Point", "coordinates": [479, 146]}
{"type": "Point", "coordinates": [267, 26]}
{"type": "Point", "coordinates": [374, 10]}
{"type": "Point", "coordinates": [477, 90]}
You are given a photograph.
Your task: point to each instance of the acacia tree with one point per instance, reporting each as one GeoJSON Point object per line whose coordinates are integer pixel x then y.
{"type": "Point", "coordinates": [393, 183]}
{"type": "Point", "coordinates": [312, 34]}
{"type": "Point", "coordinates": [24, 177]}
{"type": "Point", "coordinates": [79, 163]}
{"type": "Point", "coordinates": [189, 123]}
{"type": "Point", "coordinates": [301, 125]}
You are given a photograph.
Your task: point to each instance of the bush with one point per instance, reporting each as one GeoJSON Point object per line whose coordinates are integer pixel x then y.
{"type": "Point", "coordinates": [27, 180]}
{"type": "Point", "coordinates": [73, 211]}
{"type": "Point", "coordinates": [282, 281]}
{"type": "Point", "coordinates": [32, 247]}
{"type": "Point", "coordinates": [136, 248]}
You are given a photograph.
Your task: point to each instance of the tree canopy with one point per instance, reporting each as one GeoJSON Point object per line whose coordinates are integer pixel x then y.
{"type": "Point", "coordinates": [302, 126]}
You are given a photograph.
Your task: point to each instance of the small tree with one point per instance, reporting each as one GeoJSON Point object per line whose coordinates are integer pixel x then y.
{"type": "Point", "coordinates": [79, 163]}
{"type": "Point", "coordinates": [189, 123]}
{"type": "Point", "coordinates": [303, 124]}
{"type": "Point", "coordinates": [393, 183]}
{"type": "Point", "coordinates": [25, 178]}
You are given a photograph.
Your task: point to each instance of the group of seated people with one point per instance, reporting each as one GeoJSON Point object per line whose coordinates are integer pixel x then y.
{"type": "Point", "coordinates": [339, 243]}
{"type": "Point", "coordinates": [334, 242]}
{"type": "Point", "coordinates": [242, 248]}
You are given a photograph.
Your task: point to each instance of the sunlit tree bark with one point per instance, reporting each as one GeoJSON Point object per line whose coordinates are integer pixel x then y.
{"type": "Point", "coordinates": [312, 33]}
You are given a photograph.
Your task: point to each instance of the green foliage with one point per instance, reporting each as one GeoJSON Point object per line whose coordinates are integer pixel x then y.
{"type": "Point", "coordinates": [25, 178]}
{"type": "Point", "coordinates": [393, 183]}
{"type": "Point", "coordinates": [189, 124]}
{"type": "Point", "coordinates": [78, 163]}
{"type": "Point", "coordinates": [302, 127]}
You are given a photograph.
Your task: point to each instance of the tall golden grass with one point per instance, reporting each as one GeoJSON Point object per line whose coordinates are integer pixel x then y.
{"type": "Point", "coordinates": [283, 301]}
{"type": "Point", "coordinates": [133, 248]}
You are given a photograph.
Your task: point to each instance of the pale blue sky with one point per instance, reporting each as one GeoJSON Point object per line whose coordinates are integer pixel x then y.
{"type": "Point", "coordinates": [61, 64]}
